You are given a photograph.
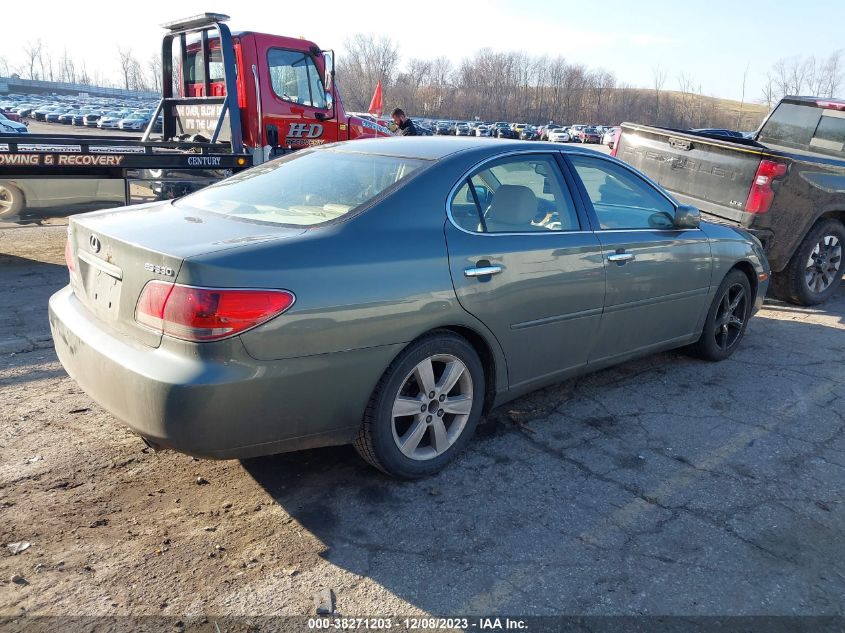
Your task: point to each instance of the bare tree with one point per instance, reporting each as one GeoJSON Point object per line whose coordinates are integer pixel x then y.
{"type": "Point", "coordinates": [127, 65]}
{"type": "Point", "coordinates": [84, 79]}
{"type": "Point", "coordinates": [742, 101]}
{"type": "Point", "coordinates": [154, 66]}
{"type": "Point", "coordinates": [688, 99]}
{"type": "Point", "coordinates": [833, 73]}
{"type": "Point", "coordinates": [658, 76]}
{"type": "Point", "coordinates": [67, 71]}
{"type": "Point", "coordinates": [368, 60]}
{"type": "Point", "coordinates": [769, 91]}
{"type": "Point", "coordinates": [32, 50]}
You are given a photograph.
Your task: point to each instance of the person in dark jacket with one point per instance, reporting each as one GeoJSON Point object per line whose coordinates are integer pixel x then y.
{"type": "Point", "coordinates": [404, 125]}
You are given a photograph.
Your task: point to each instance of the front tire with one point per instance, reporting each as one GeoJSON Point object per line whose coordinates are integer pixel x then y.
{"type": "Point", "coordinates": [815, 270]}
{"type": "Point", "coordinates": [425, 408]}
{"type": "Point", "coordinates": [727, 318]}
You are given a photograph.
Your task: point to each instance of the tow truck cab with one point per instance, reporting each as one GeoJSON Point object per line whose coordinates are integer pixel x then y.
{"type": "Point", "coordinates": [285, 96]}
{"type": "Point", "coordinates": [229, 101]}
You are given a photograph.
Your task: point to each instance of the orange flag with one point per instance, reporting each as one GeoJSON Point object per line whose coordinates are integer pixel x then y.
{"type": "Point", "coordinates": [375, 105]}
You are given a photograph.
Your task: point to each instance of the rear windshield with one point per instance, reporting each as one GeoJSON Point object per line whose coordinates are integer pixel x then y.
{"type": "Point", "coordinates": [806, 127]}
{"type": "Point", "coordinates": [309, 188]}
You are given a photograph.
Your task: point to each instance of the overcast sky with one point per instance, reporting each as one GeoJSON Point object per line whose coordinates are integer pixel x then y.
{"type": "Point", "coordinates": [712, 42]}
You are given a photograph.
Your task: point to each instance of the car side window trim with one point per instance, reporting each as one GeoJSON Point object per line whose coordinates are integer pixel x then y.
{"type": "Point", "coordinates": [588, 203]}
{"type": "Point", "coordinates": [572, 182]}
{"type": "Point", "coordinates": [465, 180]}
{"type": "Point", "coordinates": [481, 219]}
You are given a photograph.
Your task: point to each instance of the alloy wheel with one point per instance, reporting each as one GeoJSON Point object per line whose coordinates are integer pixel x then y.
{"type": "Point", "coordinates": [730, 316]}
{"type": "Point", "coordinates": [6, 199]}
{"type": "Point", "coordinates": [432, 407]}
{"type": "Point", "coordinates": [824, 264]}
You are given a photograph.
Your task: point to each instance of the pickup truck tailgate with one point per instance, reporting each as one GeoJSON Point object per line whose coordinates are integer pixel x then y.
{"type": "Point", "coordinates": [700, 167]}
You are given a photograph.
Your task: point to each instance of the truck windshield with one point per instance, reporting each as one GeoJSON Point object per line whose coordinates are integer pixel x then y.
{"type": "Point", "coordinates": [309, 188]}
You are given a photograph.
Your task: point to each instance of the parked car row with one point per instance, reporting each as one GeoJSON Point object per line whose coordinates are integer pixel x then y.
{"type": "Point", "coordinates": [604, 134]}
{"type": "Point", "coordinates": [103, 113]}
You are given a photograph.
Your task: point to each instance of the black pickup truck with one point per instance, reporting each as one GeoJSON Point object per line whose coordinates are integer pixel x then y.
{"type": "Point", "coordinates": [785, 184]}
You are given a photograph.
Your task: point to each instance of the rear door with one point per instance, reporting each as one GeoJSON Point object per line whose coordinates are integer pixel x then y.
{"type": "Point", "coordinates": [658, 277]}
{"type": "Point", "coordinates": [523, 262]}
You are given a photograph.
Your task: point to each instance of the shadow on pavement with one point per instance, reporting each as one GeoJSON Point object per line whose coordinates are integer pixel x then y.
{"type": "Point", "coordinates": [721, 481]}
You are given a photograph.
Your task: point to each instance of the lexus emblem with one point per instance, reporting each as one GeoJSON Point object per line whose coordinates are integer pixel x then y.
{"type": "Point", "coordinates": [94, 243]}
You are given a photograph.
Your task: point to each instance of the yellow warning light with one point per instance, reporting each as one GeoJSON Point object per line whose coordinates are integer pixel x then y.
{"type": "Point", "coordinates": [241, 160]}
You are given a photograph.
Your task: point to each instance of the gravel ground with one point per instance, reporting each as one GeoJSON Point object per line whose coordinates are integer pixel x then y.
{"type": "Point", "coordinates": [664, 486]}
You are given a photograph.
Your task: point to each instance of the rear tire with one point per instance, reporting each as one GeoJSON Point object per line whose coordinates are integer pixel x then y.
{"type": "Point", "coordinates": [11, 200]}
{"type": "Point", "coordinates": [409, 433]}
{"type": "Point", "coordinates": [727, 318]}
{"type": "Point", "coordinates": [815, 270]}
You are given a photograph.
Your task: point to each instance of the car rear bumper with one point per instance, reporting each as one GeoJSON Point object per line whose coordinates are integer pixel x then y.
{"type": "Point", "coordinates": [218, 402]}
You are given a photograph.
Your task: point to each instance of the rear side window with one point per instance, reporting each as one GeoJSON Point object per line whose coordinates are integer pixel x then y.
{"type": "Point", "coordinates": [791, 125]}
{"type": "Point", "coordinates": [517, 194]}
{"type": "Point", "coordinates": [830, 134]}
{"type": "Point", "coordinates": [621, 199]}
{"type": "Point", "coordinates": [294, 77]}
{"type": "Point", "coordinates": [309, 188]}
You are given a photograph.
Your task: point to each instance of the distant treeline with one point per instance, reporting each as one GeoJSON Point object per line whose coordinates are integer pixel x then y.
{"type": "Point", "coordinates": [516, 86]}
{"type": "Point", "coordinates": [492, 85]}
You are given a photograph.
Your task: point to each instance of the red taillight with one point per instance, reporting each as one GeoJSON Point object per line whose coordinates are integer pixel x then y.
{"type": "Point", "coordinates": [69, 256]}
{"type": "Point", "coordinates": [615, 149]}
{"type": "Point", "coordinates": [207, 314]}
{"type": "Point", "coordinates": [761, 193]}
{"type": "Point", "coordinates": [833, 105]}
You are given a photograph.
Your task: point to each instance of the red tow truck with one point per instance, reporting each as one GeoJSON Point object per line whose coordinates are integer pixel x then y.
{"type": "Point", "coordinates": [230, 101]}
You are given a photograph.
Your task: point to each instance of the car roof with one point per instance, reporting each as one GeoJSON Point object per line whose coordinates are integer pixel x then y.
{"type": "Point", "coordinates": [438, 147]}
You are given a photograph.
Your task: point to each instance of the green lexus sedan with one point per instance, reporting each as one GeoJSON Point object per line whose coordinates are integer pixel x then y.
{"type": "Point", "coordinates": [387, 293]}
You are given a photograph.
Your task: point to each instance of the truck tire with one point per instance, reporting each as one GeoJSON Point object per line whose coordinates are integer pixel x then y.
{"type": "Point", "coordinates": [815, 270]}
{"type": "Point", "coordinates": [417, 442]}
{"type": "Point", "coordinates": [11, 200]}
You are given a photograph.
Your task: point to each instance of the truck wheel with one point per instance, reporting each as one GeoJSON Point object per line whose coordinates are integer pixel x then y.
{"type": "Point", "coordinates": [727, 318]}
{"type": "Point", "coordinates": [11, 200]}
{"type": "Point", "coordinates": [815, 270]}
{"type": "Point", "coordinates": [425, 408]}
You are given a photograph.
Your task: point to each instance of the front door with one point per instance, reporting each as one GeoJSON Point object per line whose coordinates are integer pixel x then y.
{"type": "Point", "coordinates": [295, 100]}
{"type": "Point", "coordinates": [522, 264]}
{"type": "Point", "coordinates": [658, 277]}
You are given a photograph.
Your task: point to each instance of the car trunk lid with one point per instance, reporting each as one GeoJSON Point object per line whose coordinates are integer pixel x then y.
{"type": "Point", "coordinates": [115, 253]}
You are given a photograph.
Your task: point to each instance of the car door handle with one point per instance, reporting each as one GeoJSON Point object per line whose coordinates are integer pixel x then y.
{"type": "Point", "coordinates": [620, 258]}
{"type": "Point", "coordinates": [482, 271]}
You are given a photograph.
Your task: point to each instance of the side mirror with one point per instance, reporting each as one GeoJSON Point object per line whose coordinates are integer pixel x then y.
{"type": "Point", "coordinates": [482, 193]}
{"type": "Point", "coordinates": [687, 217]}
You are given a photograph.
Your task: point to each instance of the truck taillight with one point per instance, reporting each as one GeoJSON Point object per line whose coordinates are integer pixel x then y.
{"type": "Point", "coordinates": [615, 149]}
{"type": "Point", "coordinates": [207, 314]}
{"type": "Point", "coordinates": [761, 194]}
